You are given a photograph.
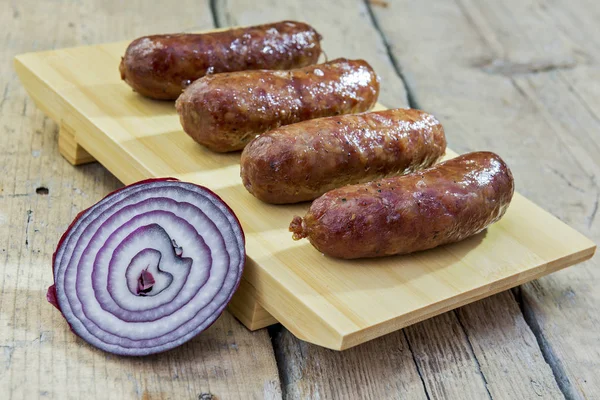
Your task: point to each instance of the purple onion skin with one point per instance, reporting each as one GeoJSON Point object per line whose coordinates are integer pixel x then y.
{"type": "Point", "coordinates": [52, 295]}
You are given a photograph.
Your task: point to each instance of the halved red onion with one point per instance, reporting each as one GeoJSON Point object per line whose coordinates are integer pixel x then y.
{"type": "Point", "coordinates": [148, 267]}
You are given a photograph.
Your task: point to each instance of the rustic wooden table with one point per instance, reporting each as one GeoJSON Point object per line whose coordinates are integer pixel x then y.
{"type": "Point", "coordinates": [519, 77]}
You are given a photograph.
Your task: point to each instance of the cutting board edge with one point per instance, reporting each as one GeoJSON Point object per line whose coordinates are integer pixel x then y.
{"type": "Point", "coordinates": [370, 333]}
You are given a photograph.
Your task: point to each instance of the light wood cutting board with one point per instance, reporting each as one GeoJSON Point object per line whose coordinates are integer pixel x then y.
{"type": "Point", "coordinates": [333, 303]}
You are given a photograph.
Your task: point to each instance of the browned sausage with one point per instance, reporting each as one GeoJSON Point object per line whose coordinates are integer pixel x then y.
{"type": "Point", "coordinates": [226, 111]}
{"type": "Point", "coordinates": [161, 66]}
{"type": "Point", "coordinates": [302, 161]}
{"type": "Point", "coordinates": [443, 204]}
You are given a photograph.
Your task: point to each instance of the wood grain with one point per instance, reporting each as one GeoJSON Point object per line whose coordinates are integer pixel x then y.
{"type": "Point", "coordinates": [495, 326]}
{"type": "Point", "coordinates": [445, 359]}
{"type": "Point", "coordinates": [522, 77]}
{"type": "Point", "coordinates": [40, 193]}
{"type": "Point", "coordinates": [380, 369]}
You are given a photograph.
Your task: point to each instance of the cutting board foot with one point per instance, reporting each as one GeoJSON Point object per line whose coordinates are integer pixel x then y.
{"type": "Point", "coordinates": [247, 310]}
{"type": "Point", "coordinates": [70, 149]}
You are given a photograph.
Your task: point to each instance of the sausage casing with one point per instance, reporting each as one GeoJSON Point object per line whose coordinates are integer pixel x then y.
{"type": "Point", "coordinates": [161, 66]}
{"type": "Point", "coordinates": [443, 204]}
{"type": "Point", "coordinates": [302, 161]}
{"type": "Point", "coordinates": [226, 111]}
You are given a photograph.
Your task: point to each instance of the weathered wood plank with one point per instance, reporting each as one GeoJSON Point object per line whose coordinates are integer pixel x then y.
{"type": "Point", "coordinates": [346, 28]}
{"type": "Point", "coordinates": [445, 359]}
{"type": "Point", "coordinates": [507, 351]}
{"type": "Point", "coordinates": [564, 308]}
{"type": "Point", "coordinates": [40, 193]}
{"type": "Point", "coordinates": [380, 369]}
{"type": "Point", "coordinates": [521, 78]}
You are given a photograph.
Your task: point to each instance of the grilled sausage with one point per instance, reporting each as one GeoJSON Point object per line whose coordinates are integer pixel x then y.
{"type": "Point", "coordinates": [443, 204]}
{"type": "Point", "coordinates": [302, 161]}
{"type": "Point", "coordinates": [161, 66]}
{"type": "Point", "coordinates": [226, 111]}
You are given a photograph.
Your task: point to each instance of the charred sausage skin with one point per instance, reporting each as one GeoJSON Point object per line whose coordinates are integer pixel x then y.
{"type": "Point", "coordinates": [443, 204]}
{"type": "Point", "coordinates": [226, 111]}
{"type": "Point", "coordinates": [161, 66]}
{"type": "Point", "coordinates": [300, 162]}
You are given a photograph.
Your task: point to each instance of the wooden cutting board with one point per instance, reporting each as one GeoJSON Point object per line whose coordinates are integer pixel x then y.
{"type": "Point", "coordinates": [333, 303]}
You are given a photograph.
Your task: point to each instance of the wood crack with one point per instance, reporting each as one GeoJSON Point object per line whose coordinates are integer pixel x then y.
{"type": "Point", "coordinates": [592, 216]}
{"type": "Point", "coordinates": [29, 213]}
{"type": "Point", "coordinates": [214, 13]}
{"type": "Point", "coordinates": [477, 364]}
{"type": "Point", "coordinates": [560, 376]}
{"type": "Point", "coordinates": [566, 180]}
{"type": "Point", "coordinates": [416, 364]}
{"type": "Point", "coordinates": [581, 99]}
{"type": "Point", "coordinates": [4, 97]}
{"type": "Point", "coordinates": [388, 48]}
{"type": "Point", "coordinates": [284, 378]}
{"type": "Point", "coordinates": [7, 353]}
{"type": "Point", "coordinates": [507, 67]}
